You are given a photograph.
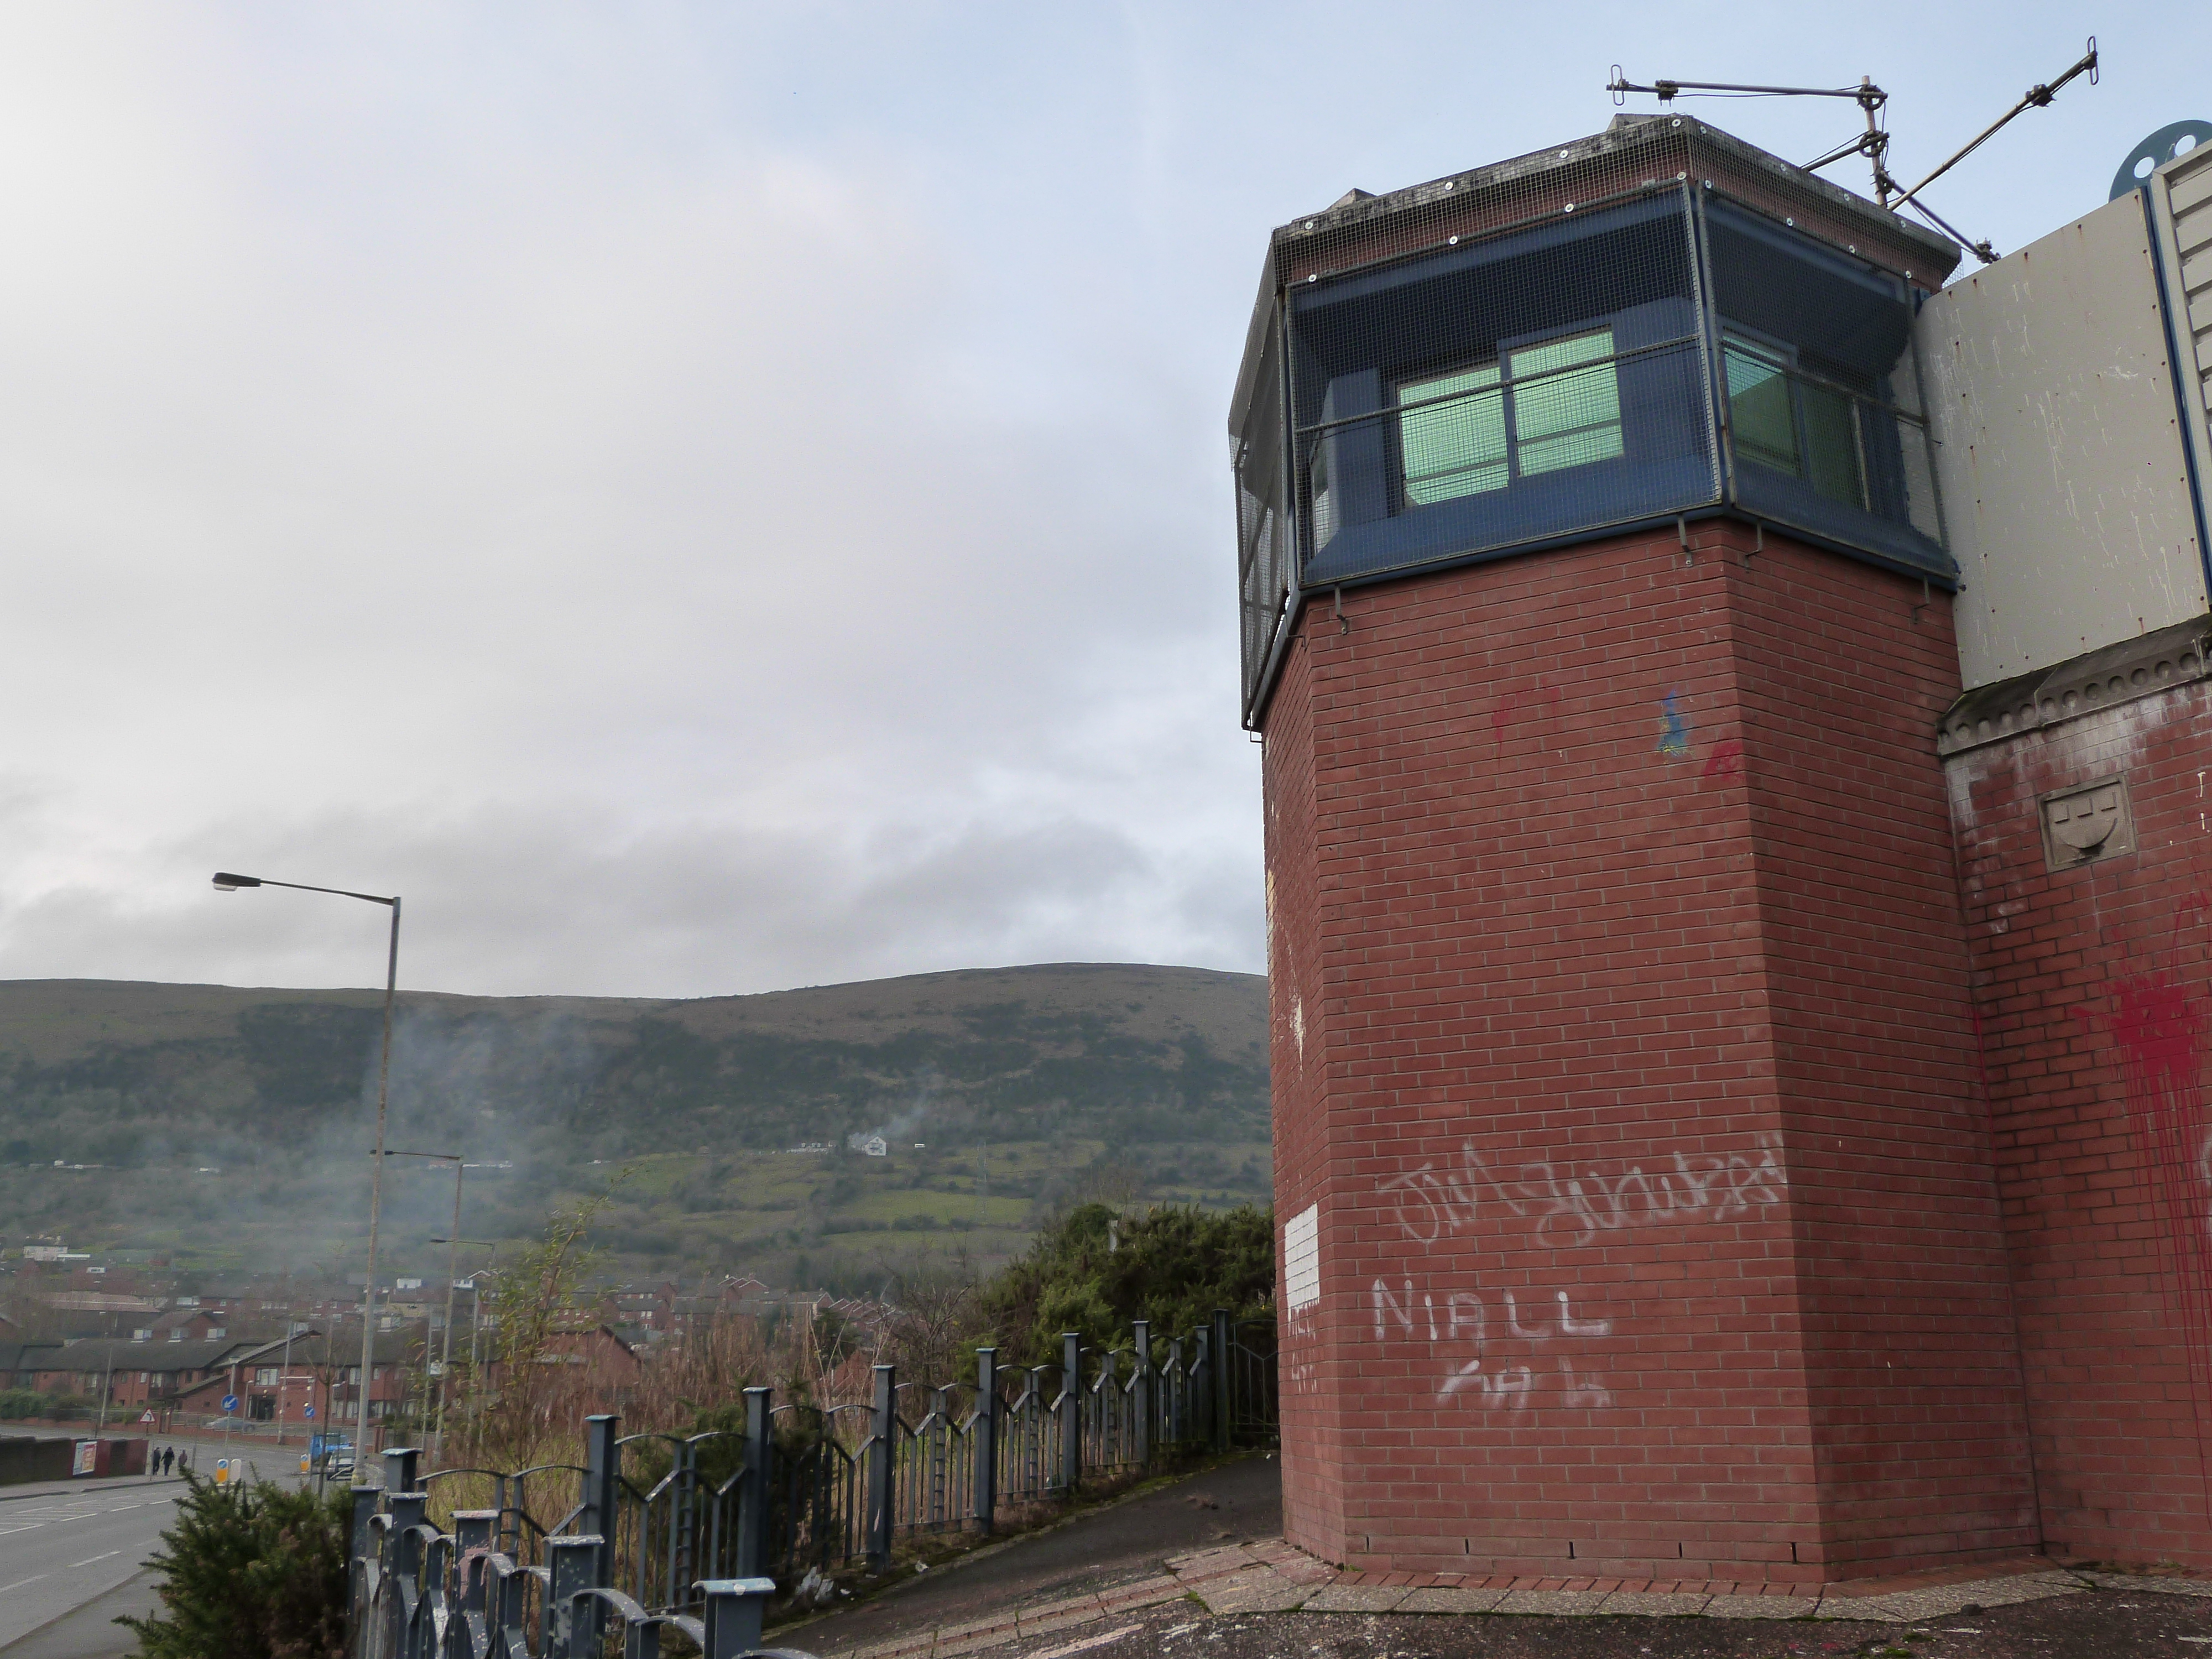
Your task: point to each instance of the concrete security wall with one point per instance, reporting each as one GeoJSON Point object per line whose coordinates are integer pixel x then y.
{"type": "Point", "coordinates": [1622, 1047]}
{"type": "Point", "coordinates": [2095, 989]}
{"type": "Point", "coordinates": [2061, 458]}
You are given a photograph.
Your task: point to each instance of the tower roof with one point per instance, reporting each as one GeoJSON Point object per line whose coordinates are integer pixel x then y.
{"type": "Point", "coordinates": [1635, 155]}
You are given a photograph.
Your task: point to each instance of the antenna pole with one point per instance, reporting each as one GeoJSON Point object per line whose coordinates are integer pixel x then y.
{"type": "Point", "coordinates": [1876, 141]}
{"type": "Point", "coordinates": [2034, 98]}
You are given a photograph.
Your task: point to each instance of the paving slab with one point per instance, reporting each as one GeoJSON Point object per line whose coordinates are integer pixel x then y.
{"type": "Point", "coordinates": [2155, 1585]}
{"type": "Point", "coordinates": [1043, 1622]}
{"type": "Point", "coordinates": [1258, 1592]}
{"type": "Point", "coordinates": [1913, 1607]}
{"type": "Point", "coordinates": [1450, 1601]}
{"type": "Point", "coordinates": [1762, 1606]}
{"type": "Point", "coordinates": [1358, 1598]}
{"type": "Point", "coordinates": [1553, 1602]}
{"type": "Point", "coordinates": [1653, 1604]}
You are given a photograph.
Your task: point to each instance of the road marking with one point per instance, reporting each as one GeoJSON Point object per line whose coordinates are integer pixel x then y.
{"type": "Point", "coordinates": [20, 1582]}
{"type": "Point", "coordinates": [89, 1559]}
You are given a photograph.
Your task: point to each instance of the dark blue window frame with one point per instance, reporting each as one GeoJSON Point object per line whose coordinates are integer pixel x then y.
{"type": "Point", "coordinates": [1636, 268]}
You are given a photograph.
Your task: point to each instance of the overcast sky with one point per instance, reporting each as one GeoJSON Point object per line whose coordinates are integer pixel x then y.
{"type": "Point", "coordinates": [708, 498]}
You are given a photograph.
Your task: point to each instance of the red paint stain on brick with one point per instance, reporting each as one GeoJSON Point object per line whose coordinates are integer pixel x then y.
{"type": "Point", "coordinates": [1725, 761]}
{"type": "Point", "coordinates": [1513, 708]}
{"type": "Point", "coordinates": [2158, 1023]}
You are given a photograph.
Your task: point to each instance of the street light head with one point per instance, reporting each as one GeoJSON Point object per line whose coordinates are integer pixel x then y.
{"type": "Point", "coordinates": [227, 882]}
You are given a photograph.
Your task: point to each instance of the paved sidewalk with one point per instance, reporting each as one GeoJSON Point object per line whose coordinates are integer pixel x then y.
{"type": "Point", "coordinates": [1272, 1578]}
{"type": "Point", "coordinates": [1135, 1594]}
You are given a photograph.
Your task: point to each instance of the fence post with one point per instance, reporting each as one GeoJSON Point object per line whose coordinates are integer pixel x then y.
{"type": "Point", "coordinates": [987, 1438]}
{"type": "Point", "coordinates": [1140, 1391]}
{"type": "Point", "coordinates": [600, 1518]}
{"type": "Point", "coordinates": [472, 1542]}
{"type": "Point", "coordinates": [1222, 1426]}
{"type": "Point", "coordinates": [758, 1488]}
{"type": "Point", "coordinates": [602, 1458]}
{"type": "Point", "coordinates": [399, 1470]}
{"type": "Point", "coordinates": [1071, 1400]}
{"type": "Point", "coordinates": [572, 1565]}
{"type": "Point", "coordinates": [880, 1471]}
{"type": "Point", "coordinates": [365, 1499]}
{"type": "Point", "coordinates": [735, 1608]}
{"type": "Point", "coordinates": [1174, 1384]}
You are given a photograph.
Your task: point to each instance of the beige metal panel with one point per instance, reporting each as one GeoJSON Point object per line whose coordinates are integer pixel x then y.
{"type": "Point", "coordinates": [2065, 491]}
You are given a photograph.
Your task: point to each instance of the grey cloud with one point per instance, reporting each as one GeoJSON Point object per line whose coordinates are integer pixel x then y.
{"type": "Point", "coordinates": [714, 498]}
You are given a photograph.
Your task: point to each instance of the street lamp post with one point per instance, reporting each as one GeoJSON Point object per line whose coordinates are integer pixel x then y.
{"type": "Point", "coordinates": [225, 882]}
{"type": "Point", "coordinates": [453, 1242]}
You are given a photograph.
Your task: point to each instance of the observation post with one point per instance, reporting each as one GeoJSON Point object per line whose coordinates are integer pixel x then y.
{"type": "Point", "coordinates": [1634, 1179]}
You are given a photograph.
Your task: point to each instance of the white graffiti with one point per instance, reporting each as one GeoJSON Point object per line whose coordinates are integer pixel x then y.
{"type": "Point", "coordinates": [1571, 1207]}
{"type": "Point", "coordinates": [1461, 1318]}
{"type": "Point", "coordinates": [1509, 1390]}
{"type": "Point", "coordinates": [1464, 1318]}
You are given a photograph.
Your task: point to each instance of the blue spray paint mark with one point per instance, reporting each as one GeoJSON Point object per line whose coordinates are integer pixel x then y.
{"type": "Point", "coordinates": [1675, 731]}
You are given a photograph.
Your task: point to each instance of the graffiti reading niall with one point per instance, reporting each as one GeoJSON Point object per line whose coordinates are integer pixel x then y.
{"type": "Point", "coordinates": [1568, 1207]}
{"type": "Point", "coordinates": [1558, 1206]}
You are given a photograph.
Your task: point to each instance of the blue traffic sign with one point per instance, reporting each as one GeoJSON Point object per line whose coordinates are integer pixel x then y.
{"type": "Point", "coordinates": [229, 1403]}
{"type": "Point", "coordinates": [311, 1413]}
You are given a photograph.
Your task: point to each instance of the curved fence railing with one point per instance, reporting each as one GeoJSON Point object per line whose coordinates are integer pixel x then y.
{"type": "Point", "coordinates": [695, 1532]}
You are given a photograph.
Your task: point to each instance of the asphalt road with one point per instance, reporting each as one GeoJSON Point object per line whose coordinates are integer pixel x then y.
{"type": "Point", "coordinates": [61, 1551]}
{"type": "Point", "coordinates": [68, 1559]}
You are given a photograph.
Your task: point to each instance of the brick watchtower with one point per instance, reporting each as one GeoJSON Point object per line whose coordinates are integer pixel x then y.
{"type": "Point", "coordinates": [1634, 1178]}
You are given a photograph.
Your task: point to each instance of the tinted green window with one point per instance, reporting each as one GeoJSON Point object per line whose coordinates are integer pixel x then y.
{"type": "Point", "coordinates": [1456, 446]}
{"type": "Point", "coordinates": [1567, 416]}
{"type": "Point", "coordinates": [1831, 446]}
{"type": "Point", "coordinates": [1782, 420]}
{"type": "Point", "coordinates": [1759, 412]}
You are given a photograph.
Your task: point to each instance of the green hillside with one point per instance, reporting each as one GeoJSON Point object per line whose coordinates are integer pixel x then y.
{"type": "Point", "coordinates": [232, 1126]}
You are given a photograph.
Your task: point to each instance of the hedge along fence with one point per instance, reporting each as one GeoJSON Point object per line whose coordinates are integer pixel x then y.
{"type": "Point", "coordinates": [695, 1532]}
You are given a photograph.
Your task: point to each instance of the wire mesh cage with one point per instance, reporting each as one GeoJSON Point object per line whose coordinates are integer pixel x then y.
{"type": "Point", "coordinates": [1654, 322]}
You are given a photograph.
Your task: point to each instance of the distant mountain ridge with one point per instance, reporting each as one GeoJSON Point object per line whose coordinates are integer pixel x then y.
{"type": "Point", "coordinates": [1109, 1061]}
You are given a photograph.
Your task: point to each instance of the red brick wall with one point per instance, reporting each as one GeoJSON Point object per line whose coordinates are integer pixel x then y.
{"type": "Point", "coordinates": [1590, 986]}
{"type": "Point", "coordinates": [1907, 1321]}
{"type": "Point", "coordinates": [1310, 1373]}
{"type": "Point", "coordinates": [2092, 985]}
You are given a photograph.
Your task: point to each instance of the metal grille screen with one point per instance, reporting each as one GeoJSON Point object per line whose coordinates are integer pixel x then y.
{"type": "Point", "coordinates": [1656, 322]}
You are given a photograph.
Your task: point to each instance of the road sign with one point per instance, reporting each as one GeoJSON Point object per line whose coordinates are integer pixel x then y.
{"type": "Point", "coordinates": [222, 1471]}
{"type": "Point", "coordinates": [310, 1414]}
{"type": "Point", "coordinates": [145, 1417]}
{"type": "Point", "coordinates": [229, 1404]}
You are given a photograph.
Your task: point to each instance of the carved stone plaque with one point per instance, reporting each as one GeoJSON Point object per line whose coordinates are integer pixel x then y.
{"type": "Point", "coordinates": [2087, 822]}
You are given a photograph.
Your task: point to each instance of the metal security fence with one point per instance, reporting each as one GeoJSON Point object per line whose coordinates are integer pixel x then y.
{"type": "Point", "coordinates": [654, 1532]}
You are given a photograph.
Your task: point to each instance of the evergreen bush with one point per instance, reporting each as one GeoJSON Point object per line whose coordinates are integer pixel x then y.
{"type": "Point", "coordinates": [250, 1572]}
{"type": "Point", "coordinates": [1096, 1271]}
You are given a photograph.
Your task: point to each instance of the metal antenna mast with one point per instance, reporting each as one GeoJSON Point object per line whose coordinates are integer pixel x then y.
{"type": "Point", "coordinates": [1873, 142]}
